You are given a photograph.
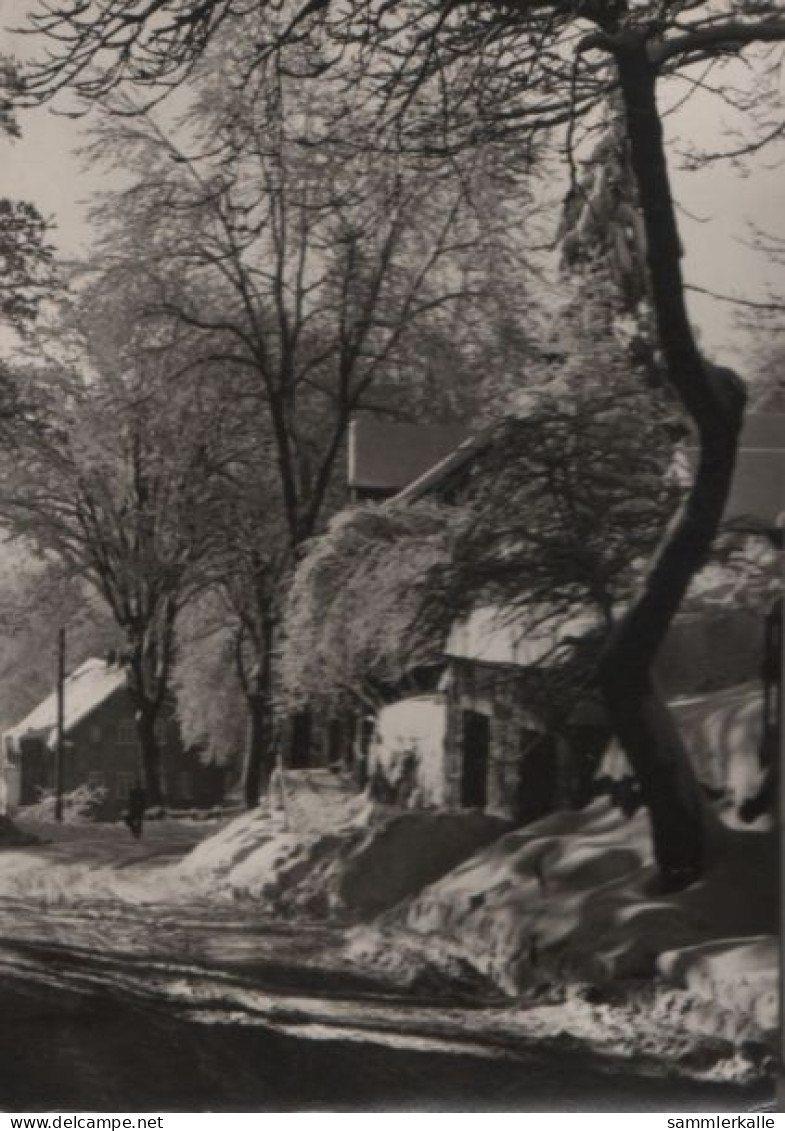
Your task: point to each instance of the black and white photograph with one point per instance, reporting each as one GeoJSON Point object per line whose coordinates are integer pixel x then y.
{"type": "Point", "coordinates": [392, 545]}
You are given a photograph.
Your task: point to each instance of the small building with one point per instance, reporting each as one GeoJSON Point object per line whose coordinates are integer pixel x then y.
{"type": "Point", "coordinates": [482, 742]}
{"type": "Point", "coordinates": [512, 750]}
{"type": "Point", "coordinates": [101, 748]}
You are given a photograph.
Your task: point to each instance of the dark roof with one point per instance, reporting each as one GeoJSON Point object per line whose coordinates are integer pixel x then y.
{"type": "Point", "coordinates": [758, 486]}
{"type": "Point", "coordinates": [414, 458]}
{"type": "Point", "coordinates": [386, 457]}
{"type": "Point", "coordinates": [758, 489]}
{"type": "Point", "coordinates": [438, 474]}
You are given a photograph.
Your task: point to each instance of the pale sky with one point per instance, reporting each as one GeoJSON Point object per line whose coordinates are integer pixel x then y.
{"type": "Point", "coordinates": [719, 205]}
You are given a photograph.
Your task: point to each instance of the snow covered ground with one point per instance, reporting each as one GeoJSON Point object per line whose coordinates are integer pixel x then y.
{"type": "Point", "coordinates": [77, 863]}
{"type": "Point", "coordinates": [563, 915]}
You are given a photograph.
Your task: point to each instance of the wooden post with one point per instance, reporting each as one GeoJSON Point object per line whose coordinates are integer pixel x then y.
{"type": "Point", "coordinates": [60, 724]}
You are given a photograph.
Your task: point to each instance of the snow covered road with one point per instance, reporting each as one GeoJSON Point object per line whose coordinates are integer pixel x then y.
{"type": "Point", "coordinates": [261, 1026]}
{"type": "Point", "coordinates": [122, 991]}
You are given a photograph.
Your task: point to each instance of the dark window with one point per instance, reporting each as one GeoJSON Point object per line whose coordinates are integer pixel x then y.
{"type": "Point", "coordinates": [476, 746]}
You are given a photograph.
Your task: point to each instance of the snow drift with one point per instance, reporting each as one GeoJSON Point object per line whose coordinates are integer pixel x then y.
{"type": "Point", "coordinates": [573, 898]}
{"type": "Point", "coordinates": [355, 869]}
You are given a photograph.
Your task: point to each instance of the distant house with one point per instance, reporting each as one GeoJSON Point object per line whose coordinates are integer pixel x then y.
{"type": "Point", "coordinates": [101, 747]}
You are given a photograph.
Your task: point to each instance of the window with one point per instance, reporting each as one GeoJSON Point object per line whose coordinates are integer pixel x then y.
{"type": "Point", "coordinates": [126, 733]}
{"type": "Point", "coordinates": [125, 783]}
{"type": "Point", "coordinates": [95, 732]}
{"type": "Point", "coordinates": [96, 779]}
{"type": "Point", "coordinates": [160, 731]}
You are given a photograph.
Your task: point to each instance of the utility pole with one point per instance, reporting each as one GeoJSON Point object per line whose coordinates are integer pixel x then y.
{"type": "Point", "coordinates": [60, 724]}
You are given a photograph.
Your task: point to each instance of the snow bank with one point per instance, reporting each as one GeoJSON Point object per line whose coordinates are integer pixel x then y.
{"type": "Point", "coordinates": [292, 873]}
{"type": "Point", "coordinates": [733, 976]}
{"type": "Point", "coordinates": [225, 849]}
{"type": "Point", "coordinates": [325, 850]}
{"type": "Point", "coordinates": [329, 852]}
{"type": "Point", "coordinates": [405, 854]}
{"type": "Point", "coordinates": [722, 731]}
{"type": "Point", "coordinates": [573, 897]}
{"type": "Point", "coordinates": [355, 871]}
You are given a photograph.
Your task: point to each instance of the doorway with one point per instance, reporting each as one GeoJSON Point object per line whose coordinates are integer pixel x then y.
{"type": "Point", "coordinates": [476, 748]}
{"type": "Point", "coordinates": [539, 776]}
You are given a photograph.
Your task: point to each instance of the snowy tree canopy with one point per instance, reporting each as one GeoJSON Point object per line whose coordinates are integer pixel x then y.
{"type": "Point", "coordinates": [363, 610]}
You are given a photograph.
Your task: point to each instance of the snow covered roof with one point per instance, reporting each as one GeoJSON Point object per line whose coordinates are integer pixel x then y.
{"type": "Point", "coordinates": [85, 689]}
{"type": "Point", "coordinates": [494, 635]}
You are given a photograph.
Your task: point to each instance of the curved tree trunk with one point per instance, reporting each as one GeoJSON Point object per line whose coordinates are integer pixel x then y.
{"type": "Point", "coordinates": [714, 399]}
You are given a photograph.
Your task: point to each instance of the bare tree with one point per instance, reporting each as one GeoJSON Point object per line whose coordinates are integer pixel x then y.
{"type": "Point", "coordinates": [113, 477]}
{"type": "Point", "coordinates": [303, 267]}
{"type": "Point", "coordinates": [308, 259]}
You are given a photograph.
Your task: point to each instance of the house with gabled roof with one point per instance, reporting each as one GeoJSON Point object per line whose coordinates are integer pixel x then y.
{"type": "Point", "coordinates": [484, 747]}
{"type": "Point", "coordinates": [101, 747]}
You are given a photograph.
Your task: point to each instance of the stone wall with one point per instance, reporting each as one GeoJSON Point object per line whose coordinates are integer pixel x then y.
{"type": "Point", "coordinates": [516, 735]}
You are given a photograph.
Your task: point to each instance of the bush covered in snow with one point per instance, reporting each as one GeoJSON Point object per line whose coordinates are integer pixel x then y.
{"type": "Point", "coordinates": [85, 803]}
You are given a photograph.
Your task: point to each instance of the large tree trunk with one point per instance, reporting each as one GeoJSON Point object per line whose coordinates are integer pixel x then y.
{"type": "Point", "coordinates": [714, 399]}
{"type": "Point", "coordinates": [254, 749]}
{"type": "Point", "coordinates": [260, 749]}
{"type": "Point", "coordinates": [259, 752]}
{"type": "Point", "coordinates": [150, 754]}
{"type": "Point", "coordinates": [146, 712]}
